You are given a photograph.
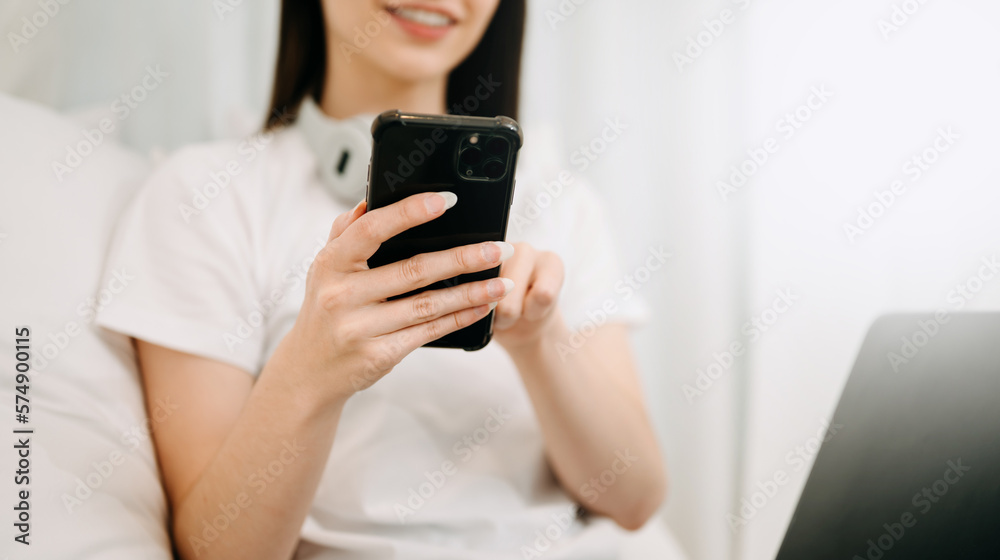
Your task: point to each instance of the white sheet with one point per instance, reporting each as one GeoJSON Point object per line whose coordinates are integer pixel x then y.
{"type": "Point", "coordinates": [93, 482]}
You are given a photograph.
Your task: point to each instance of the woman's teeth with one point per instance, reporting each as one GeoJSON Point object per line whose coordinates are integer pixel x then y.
{"type": "Point", "coordinates": [423, 17]}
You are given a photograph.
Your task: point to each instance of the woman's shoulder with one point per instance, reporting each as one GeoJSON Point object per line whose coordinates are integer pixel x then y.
{"type": "Point", "coordinates": [256, 152]}
{"type": "Point", "coordinates": [198, 176]}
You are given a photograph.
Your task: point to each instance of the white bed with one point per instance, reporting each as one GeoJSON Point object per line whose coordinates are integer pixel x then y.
{"type": "Point", "coordinates": [93, 482]}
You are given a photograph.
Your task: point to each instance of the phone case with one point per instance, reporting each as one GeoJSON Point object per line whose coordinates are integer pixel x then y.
{"type": "Point", "coordinates": [416, 153]}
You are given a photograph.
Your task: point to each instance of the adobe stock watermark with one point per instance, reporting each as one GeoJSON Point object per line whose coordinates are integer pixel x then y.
{"type": "Point", "coordinates": [626, 288]}
{"type": "Point", "coordinates": [464, 450]}
{"type": "Point", "coordinates": [364, 35]}
{"type": "Point", "coordinates": [122, 108]}
{"type": "Point", "coordinates": [788, 126]}
{"type": "Point", "coordinates": [563, 12]}
{"type": "Point", "coordinates": [591, 490]}
{"type": "Point", "coordinates": [915, 169]}
{"type": "Point", "coordinates": [379, 364]}
{"type": "Point", "coordinates": [87, 312]}
{"type": "Point", "coordinates": [291, 279]}
{"type": "Point", "coordinates": [699, 43]}
{"type": "Point", "coordinates": [528, 212]}
{"type": "Point", "coordinates": [753, 330]}
{"type": "Point", "coordinates": [926, 329]}
{"type": "Point", "coordinates": [486, 86]}
{"type": "Point", "coordinates": [423, 148]}
{"type": "Point", "coordinates": [546, 537]}
{"type": "Point", "coordinates": [103, 470]}
{"type": "Point", "coordinates": [223, 8]}
{"type": "Point", "coordinates": [259, 481]}
{"type": "Point", "coordinates": [923, 501]}
{"type": "Point", "coordinates": [33, 24]}
{"type": "Point", "coordinates": [598, 485]}
{"type": "Point", "coordinates": [899, 17]}
{"type": "Point", "coordinates": [248, 149]}
{"type": "Point", "coordinates": [590, 152]}
{"type": "Point", "coordinates": [764, 491]}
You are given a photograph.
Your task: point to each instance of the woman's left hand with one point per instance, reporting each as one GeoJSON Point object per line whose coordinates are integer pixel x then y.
{"type": "Point", "coordinates": [530, 310]}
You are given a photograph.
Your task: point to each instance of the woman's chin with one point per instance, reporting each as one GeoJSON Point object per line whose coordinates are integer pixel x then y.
{"type": "Point", "coordinates": [409, 66]}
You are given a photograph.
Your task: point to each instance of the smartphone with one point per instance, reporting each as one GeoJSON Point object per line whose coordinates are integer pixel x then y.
{"type": "Point", "coordinates": [473, 157]}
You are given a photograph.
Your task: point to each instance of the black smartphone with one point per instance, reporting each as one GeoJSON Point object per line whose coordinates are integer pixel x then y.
{"type": "Point", "coordinates": [473, 157]}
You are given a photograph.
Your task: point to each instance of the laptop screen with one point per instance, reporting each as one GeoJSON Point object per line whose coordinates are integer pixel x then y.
{"type": "Point", "coordinates": [915, 470]}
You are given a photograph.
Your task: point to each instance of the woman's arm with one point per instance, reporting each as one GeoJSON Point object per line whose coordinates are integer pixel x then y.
{"type": "Point", "coordinates": [590, 408]}
{"type": "Point", "coordinates": [587, 396]}
{"type": "Point", "coordinates": [215, 452]}
{"type": "Point", "coordinates": [241, 460]}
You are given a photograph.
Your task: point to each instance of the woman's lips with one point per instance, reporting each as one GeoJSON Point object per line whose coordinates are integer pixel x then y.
{"type": "Point", "coordinates": [422, 23]}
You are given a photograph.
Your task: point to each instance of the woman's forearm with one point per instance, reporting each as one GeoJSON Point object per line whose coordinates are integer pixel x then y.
{"type": "Point", "coordinates": [597, 434]}
{"type": "Point", "coordinates": [251, 500]}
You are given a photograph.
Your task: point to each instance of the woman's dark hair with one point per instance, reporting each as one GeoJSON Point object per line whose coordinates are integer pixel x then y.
{"type": "Point", "coordinates": [494, 66]}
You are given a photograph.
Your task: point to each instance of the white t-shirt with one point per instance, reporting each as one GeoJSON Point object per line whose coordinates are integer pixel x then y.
{"type": "Point", "coordinates": [443, 458]}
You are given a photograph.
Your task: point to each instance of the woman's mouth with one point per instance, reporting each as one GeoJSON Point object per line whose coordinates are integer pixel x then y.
{"type": "Point", "coordinates": [421, 22]}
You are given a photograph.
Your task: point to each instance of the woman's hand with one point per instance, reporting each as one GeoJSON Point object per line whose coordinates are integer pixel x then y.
{"type": "Point", "coordinates": [530, 310]}
{"type": "Point", "coordinates": [347, 335]}
{"type": "Point", "coordinates": [588, 402]}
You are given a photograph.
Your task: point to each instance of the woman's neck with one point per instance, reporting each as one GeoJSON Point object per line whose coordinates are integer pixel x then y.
{"type": "Point", "coordinates": [357, 88]}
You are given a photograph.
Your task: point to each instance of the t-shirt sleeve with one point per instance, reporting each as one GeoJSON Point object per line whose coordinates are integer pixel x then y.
{"type": "Point", "coordinates": [569, 219]}
{"type": "Point", "coordinates": [181, 270]}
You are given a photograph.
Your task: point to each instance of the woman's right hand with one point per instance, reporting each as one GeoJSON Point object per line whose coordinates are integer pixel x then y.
{"type": "Point", "coordinates": [347, 335]}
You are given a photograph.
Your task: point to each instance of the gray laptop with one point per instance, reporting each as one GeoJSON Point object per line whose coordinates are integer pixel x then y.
{"type": "Point", "coordinates": [914, 471]}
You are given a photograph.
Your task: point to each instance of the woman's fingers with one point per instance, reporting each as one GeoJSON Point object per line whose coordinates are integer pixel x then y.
{"type": "Point", "coordinates": [364, 236]}
{"type": "Point", "coordinates": [411, 338]}
{"type": "Point", "coordinates": [347, 218]}
{"type": "Point", "coordinates": [519, 269]}
{"type": "Point", "coordinates": [543, 291]}
{"type": "Point", "coordinates": [433, 304]}
{"type": "Point", "coordinates": [424, 269]}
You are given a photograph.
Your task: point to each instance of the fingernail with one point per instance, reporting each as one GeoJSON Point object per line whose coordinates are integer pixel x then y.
{"type": "Point", "coordinates": [450, 199]}
{"type": "Point", "coordinates": [508, 285]}
{"type": "Point", "coordinates": [493, 305]}
{"type": "Point", "coordinates": [499, 287]}
{"type": "Point", "coordinates": [443, 201]}
{"type": "Point", "coordinates": [506, 251]}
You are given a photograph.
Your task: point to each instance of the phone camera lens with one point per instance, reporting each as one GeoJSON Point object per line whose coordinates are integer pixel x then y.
{"type": "Point", "coordinates": [471, 156]}
{"type": "Point", "coordinates": [497, 146]}
{"type": "Point", "coordinates": [494, 169]}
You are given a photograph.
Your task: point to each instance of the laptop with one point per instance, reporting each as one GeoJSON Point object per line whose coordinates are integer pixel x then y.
{"type": "Point", "coordinates": [915, 470]}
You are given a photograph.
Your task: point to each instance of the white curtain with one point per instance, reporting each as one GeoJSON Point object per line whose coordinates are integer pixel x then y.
{"type": "Point", "coordinates": [910, 80]}
{"type": "Point", "coordinates": [692, 89]}
{"type": "Point", "coordinates": [217, 64]}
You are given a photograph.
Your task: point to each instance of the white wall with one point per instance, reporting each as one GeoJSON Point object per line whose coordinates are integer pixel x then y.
{"type": "Point", "coordinates": [611, 60]}
{"type": "Point", "coordinates": [940, 70]}
{"type": "Point", "coordinates": [218, 66]}
{"type": "Point", "coordinates": [785, 228]}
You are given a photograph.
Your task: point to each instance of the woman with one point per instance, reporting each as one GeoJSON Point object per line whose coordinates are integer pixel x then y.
{"type": "Point", "coordinates": [261, 324]}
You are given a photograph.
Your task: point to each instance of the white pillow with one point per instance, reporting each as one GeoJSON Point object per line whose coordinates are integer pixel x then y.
{"type": "Point", "coordinates": [93, 481]}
